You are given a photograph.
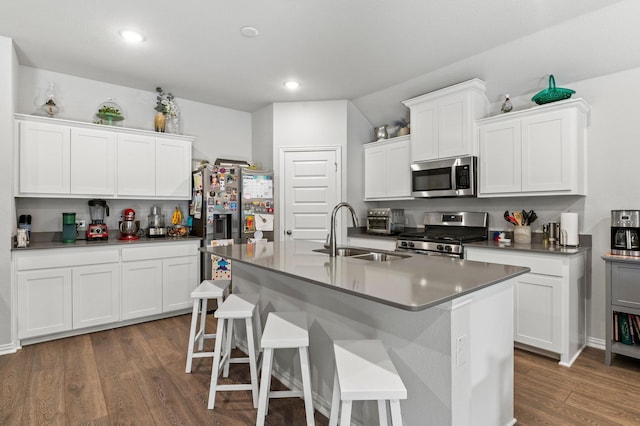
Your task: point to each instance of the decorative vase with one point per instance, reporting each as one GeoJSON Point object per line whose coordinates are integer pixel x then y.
{"type": "Point", "coordinates": [159, 122]}
{"type": "Point", "coordinates": [403, 131]}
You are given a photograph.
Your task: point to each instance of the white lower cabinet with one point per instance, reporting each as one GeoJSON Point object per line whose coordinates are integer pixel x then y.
{"type": "Point", "coordinates": [549, 301]}
{"type": "Point", "coordinates": [141, 288]}
{"type": "Point", "coordinates": [67, 289]}
{"type": "Point", "coordinates": [158, 278]}
{"type": "Point", "coordinates": [44, 302]}
{"type": "Point", "coordinates": [96, 294]}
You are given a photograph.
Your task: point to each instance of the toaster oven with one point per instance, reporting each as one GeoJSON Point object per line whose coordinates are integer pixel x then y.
{"type": "Point", "coordinates": [385, 221]}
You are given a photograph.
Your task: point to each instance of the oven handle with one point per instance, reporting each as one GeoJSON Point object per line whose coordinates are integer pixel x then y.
{"type": "Point", "coordinates": [427, 252]}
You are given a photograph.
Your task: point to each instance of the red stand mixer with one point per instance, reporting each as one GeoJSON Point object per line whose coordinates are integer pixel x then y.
{"type": "Point", "coordinates": [129, 226]}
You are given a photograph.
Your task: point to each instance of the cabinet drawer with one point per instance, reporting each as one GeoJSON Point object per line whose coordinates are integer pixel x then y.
{"type": "Point", "coordinates": [625, 285]}
{"type": "Point", "coordinates": [56, 258]}
{"type": "Point", "coordinates": [539, 264]}
{"type": "Point", "coordinates": [160, 251]}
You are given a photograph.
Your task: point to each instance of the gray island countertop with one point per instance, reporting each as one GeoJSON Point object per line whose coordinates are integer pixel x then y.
{"type": "Point", "coordinates": [413, 283]}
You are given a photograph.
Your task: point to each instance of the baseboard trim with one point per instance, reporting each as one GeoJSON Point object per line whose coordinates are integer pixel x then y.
{"type": "Point", "coordinates": [592, 342]}
{"type": "Point", "coordinates": [9, 348]}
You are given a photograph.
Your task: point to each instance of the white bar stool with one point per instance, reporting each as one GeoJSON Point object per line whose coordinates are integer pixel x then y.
{"type": "Point", "coordinates": [285, 330]}
{"type": "Point", "coordinates": [364, 372]}
{"type": "Point", "coordinates": [208, 289]}
{"type": "Point", "coordinates": [236, 306]}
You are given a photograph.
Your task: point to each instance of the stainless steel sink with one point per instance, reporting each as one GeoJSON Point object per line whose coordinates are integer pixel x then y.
{"type": "Point", "coordinates": [345, 251]}
{"type": "Point", "coordinates": [364, 254]}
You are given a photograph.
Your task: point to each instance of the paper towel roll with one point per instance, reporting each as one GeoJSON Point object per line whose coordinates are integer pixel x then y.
{"type": "Point", "coordinates": [569, 224]}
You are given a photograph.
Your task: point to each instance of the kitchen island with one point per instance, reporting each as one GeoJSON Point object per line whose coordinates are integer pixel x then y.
{"type": "Point", "coordinates": [446, 323]}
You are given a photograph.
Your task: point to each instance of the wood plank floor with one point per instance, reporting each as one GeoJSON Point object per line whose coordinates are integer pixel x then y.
{"type": "Point", "coordinates": [135, 375]}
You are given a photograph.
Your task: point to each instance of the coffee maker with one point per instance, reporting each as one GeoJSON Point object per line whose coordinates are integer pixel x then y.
{"type": "Point", "coordinates": [129, 226]}
{"type": "Point", "coordinates": [625, 232]}
{"type": "Point", "coordinates": [97, 229]}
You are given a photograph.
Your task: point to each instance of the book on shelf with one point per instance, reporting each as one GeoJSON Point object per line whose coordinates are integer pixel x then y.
{"type": "Point", "coordinates": [616, 331]}
{"type": "Point", "coordinates": [624, 330]}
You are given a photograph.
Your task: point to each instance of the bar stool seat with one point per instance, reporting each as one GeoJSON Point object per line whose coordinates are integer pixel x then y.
{"type": "Point", "coordinates": [285, 330]}
{"type": "Point", "coordinates": [364, 372]}
{"type": "Point", "coordinates": [235, 307]}
{"type": "Point", "coordinates": [207, 289]}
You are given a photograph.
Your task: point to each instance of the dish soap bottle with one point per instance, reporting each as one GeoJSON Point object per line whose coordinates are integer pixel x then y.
{"type": "Point", "coordinates": [506, 105]}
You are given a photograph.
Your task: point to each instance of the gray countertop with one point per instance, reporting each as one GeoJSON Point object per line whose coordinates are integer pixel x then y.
{"type": "Point", "coordinates": [413, 283]}
{"type": "Point", "coordinates": [51, 240]}
{"type": "Point", "coordinates": [608, 257]}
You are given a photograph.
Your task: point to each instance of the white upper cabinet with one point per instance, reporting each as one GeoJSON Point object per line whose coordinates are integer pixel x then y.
{"type": "Point", "coordinates": [61, 158]}
{"type": "Point", "coordinates": [43, 158]}
{"type": "Point", "coordinates": [136, 165]}
{"type": "Point", "coordinates": [443, 122]}
{"type": "Point", "coordinates": [387, 172]}
{"type": "Point", "coordinates": [540, 151]}
{"type": "Point", "coordinates": [93, 162]}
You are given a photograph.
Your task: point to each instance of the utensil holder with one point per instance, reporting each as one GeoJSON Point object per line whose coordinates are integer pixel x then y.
{"type": "Point", "coordinates": [522, 235]}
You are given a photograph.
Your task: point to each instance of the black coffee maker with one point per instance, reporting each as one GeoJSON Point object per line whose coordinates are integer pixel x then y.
{"type": "Point", "coordinates": [625, 232]}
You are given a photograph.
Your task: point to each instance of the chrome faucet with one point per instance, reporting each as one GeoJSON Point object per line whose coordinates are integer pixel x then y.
{"type": "Point", "coordinates": [330, 243]}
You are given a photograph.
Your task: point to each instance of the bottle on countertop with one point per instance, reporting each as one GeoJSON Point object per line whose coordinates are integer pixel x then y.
{"type": "Point", "coordinates": [506, 105]}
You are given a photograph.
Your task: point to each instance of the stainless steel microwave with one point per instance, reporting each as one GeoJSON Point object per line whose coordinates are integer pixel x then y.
{"type": "Point", "coordinates": [451, 177]}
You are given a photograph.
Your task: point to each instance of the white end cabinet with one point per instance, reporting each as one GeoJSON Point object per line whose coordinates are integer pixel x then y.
{"type": "Point", "coordinates": [387, 169]}
{"type": "Point", "coordinates": [540, 151]}
{"type": "Point", "coordinates": [158, 278]}
{"type": "Point", "coordinates": [62, 158]}
{"type": "Point", "coordinates": [443, 121]}
{"type": "Point", "coordinates": [549, 301]}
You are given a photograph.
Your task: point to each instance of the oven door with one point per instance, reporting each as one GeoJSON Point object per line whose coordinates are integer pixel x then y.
{"type": "Point", "coordinates": [454, 177]}
{"type": "Point", "coordinates": [428, 252]}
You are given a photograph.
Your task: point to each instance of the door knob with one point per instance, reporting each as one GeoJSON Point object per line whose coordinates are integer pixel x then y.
{"type": "Point", "coordinates": [288, 231]}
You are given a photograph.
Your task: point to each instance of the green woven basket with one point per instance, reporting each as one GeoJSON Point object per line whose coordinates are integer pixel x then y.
{"type": "Point", "coordinates": [552, 94]}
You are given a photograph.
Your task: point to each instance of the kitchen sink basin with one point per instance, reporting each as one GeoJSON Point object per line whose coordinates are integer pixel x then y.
{"type": "Point", "coordinates": [364, 254]}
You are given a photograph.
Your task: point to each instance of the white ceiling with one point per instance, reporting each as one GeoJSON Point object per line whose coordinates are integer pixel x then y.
{"type": "Point", "coordinates": [337, 49]}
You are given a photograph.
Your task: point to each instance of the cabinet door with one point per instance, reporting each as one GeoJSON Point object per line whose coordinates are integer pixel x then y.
{"type": "Point", "coordinates": [500, 158]}
{"type": "Point", "coordinates": [180, 277]}
{"type": "Point", "coordinates": [375, 166]}
{"type": "Point", "coordinates": [96, 295]}
{"type": "Point", "coordinates": [424, 131]}
{"type": "Point", "coordinates": [537, 311]}
{"type": "Point", "coordinates": [44, 153]}
{"type": "Point", "coordinates": [173, 169]}
{"type": "Point", "coordinates": [398, 176]}
{"type": "Point", "coordinates": [625, 290]}
{"type": "Point", "coordinates": [136, 170]}
{"type": "Point", "coordinates": [141, 288]}
{"type": "Point", "coordinates": [547, 156]}
{"type": "Point", "coordinates": [93, 157]}
{"type": "Point", "coordinates": [453, 119]}
{"type": "Point", "coordinates": [44, 302]}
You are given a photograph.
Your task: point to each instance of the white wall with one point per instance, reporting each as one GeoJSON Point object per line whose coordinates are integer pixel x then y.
{"type": "Point", "coordinates": [8, 88]}
{"type": "Point", "coordinates": [262, 141]}
{"type": "Point", "coordinates": [221, 132]}
{"type": "Point", "coordinates": [359, 131]}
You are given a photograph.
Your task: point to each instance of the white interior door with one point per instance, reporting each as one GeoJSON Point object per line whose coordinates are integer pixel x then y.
{"type": "Point", "coordinates": [310, 189]}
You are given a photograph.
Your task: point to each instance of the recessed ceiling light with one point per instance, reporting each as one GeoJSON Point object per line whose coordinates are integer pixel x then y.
{"type": "Point", "coordinates": [131, 36]}
{"type": "Point", "coordinates": [249, 32]}
{"type": "Point", "coordinates": [291, 85]}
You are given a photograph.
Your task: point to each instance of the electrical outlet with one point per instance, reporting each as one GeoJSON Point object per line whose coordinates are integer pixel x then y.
{"type": "Point", "coordinates": [461, 350]}
{"type": "Point", "coordinates": [81, 223]}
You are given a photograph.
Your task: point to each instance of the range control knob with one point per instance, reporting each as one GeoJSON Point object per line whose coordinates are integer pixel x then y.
{"type": "Point", "coordinates": [403, 243]}
{"type": "Point", "coordinates": [411, 244]}
{"type": "Point", "coordinates": [448, 248]}
{"type": "Point", "coordinates": [439, 247]}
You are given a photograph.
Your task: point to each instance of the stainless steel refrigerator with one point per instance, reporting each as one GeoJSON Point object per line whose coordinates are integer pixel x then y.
{"type": "Point", "coordinates": [230, 202]}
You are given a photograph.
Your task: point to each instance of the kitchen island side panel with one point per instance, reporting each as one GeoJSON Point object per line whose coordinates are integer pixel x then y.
{"type": "Point", "coordinates": [442, 381]}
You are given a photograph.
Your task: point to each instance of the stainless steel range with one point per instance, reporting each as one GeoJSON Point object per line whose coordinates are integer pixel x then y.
{"type": "Point", "coordinates": [445, 233]}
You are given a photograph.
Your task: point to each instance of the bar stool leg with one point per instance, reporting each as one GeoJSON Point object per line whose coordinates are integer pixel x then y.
{"type": "Point", "coordinates": [382, 412]}
{"type": "Point", "coordinates": [192, 334]}
{"type": "Point", "coordinates": [306, 384]}
{"type": "Point", "coordinates": [335, 401]}
{"type": "Point", "coordinates": [265, 385]}
{"type": "Point", "coordinates": [396, 415]}
{"type": "Point", "coordinates": [215, 370]}
{"type": "Point", "coordinates": [227, 347]}
{"type": "Point", "coordinates": [345, 413]}
{"type": "Point", "coordinates": [203, 319]}
{"type": "Point", "coordinates": [252, 361]}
